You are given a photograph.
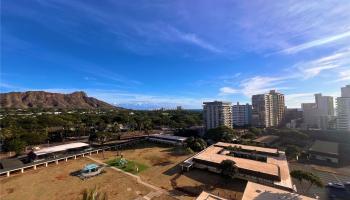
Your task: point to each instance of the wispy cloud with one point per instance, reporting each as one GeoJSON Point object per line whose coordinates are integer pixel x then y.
{"type": "Point", "coordinates": [343, 75]}
{"type": "Point", "coordinates": [313, 68]}
{"type": "Point", "coordinates": [195, 40]}
{"type": "Point", "coordinates": [316, 43]}
{"type": "Point", "coordinates": [228, 90]}
{"type": "Point", "coordinates": [4, 85]}
{"type": "Point", "coordinates": [261, 84]}
{"type": "Point", "coordinates": [294, 100]}
{"type": "Point", "coordinates": [256, 85]}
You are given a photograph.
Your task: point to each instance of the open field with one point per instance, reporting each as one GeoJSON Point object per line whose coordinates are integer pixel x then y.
{"type": "Point", "coordinates": [55, 182]}
{"type": "Point", "coordinates": [165, 173]}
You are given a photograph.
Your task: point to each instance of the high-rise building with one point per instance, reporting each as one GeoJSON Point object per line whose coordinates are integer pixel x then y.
{"type": "Point", "coordinates": [320, 114]}
{"type": "Point", "coordinates": [292, 117]}
{"type": "Point", "coordinates": [343, 109]}
{"type": "Point", "coordinates": [241, 115]}
{"type": "Point", "coordinates": [217, 113]}
{"type": "Point", "coordinates": [268, 109]}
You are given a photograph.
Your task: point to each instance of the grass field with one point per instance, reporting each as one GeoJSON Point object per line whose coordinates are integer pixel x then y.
{"type": "Point", "coordinates": [55, 183]}
{"type": "Point", "coordinates": [130, 165]}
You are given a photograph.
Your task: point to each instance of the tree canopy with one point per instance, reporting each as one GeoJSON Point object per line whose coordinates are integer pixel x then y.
{"type": "Point", "coordinates": [221, 134]}
{"type": "Point", "coordinates": [196, 144]}
{"type": "Point", "coordinates": [228, 168]}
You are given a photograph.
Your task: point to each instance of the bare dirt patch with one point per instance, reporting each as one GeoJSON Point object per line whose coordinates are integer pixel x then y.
{"type": "Point", "coordinates": [55, 183]}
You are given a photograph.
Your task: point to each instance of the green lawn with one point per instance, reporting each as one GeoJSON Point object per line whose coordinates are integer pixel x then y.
{"type": "Point", "coordinates": [130, 165]}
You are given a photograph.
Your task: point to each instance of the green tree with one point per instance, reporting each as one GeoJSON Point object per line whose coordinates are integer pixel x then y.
{"type": "Point", "coordinates": [94, 194]}
{"type": "Point", "coordinates": [196, 144]}
{"type": "Point", "coordinates": [255, 131]}
{"type": "Point", "coordinates": [306, 177]}
{"type": "Point", "coordinates": [248, 135]}
{"type": "Point", "coordinates": [292, 151]}
{"type": "Point", "coordinates": [228, 168]}
{"type": "Point", "coordinates": [221, 134]}
{"type": "Point", "coordinates": [16, 145]}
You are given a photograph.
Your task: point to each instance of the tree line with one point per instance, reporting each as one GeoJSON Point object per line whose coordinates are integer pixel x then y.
{"type": "Point", "coordinates": [18, 131]}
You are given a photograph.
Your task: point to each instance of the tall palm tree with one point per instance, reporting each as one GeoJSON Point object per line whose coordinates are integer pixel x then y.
{"type": "Point", "coordinates": [94, 194]}
{"type": "Point", "coordinates": [308, 177]}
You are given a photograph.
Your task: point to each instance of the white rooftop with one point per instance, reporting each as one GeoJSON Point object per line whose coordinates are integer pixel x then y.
{"type": "Point", "coordinates": [58, 148]}
{"type": "Point", "coordinates": [170, 137]}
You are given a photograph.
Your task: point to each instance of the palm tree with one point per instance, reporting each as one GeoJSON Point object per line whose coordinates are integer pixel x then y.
{"type": "Point", "coordinates": [310, 178]}
{"type": "Point", "coordinates": [94, 194]}
{"type": "Point", "coordinates": [102, 138]}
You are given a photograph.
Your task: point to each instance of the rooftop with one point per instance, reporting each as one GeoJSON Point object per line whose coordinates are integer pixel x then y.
{"type": "Point", "coordinates": [247, 147]}
{"type": "Point", "coordinates": [255, 191]}
{"type": "Point", "coordinates": [276, 166]}
{"type": "Point", "coordinates": [169, 137]}
{"type": "Point", "coordinates": [208, 196]}
{"type": "Point", "coordinates": [218, 102]}
{"type": "Point", "coordinates": [325, 147]}
{"type": "Point", "coordinates": [59, 148]}
{"type": "Point", "coordinates": [211, 154]}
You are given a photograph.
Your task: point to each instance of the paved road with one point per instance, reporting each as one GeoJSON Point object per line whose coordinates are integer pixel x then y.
{"type": "Point", "coordinates": [325, 176]}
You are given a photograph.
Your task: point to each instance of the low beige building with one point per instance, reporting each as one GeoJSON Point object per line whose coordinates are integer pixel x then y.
{"type": "Point", "coordinates": [262, 165]}
{"type": "Point", "coordinates": [255, 191]}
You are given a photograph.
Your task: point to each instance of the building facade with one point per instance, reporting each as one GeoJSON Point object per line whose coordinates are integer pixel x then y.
{"type": "Point", "coordinates": [241, 115]}
{"type": "Point", "coordinates": [217, 113]}
{"type": "Point", "coordinates": [343, 109]}
{"type": "Point", "coordinates": [319, 115]}
{"type": "Point", "coordinates": [292, 117]}
{"type": "Point", "coordinates": [268, 109]}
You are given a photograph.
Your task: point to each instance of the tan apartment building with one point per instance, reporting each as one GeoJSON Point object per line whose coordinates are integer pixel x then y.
{"type": "Point", "coordinates": [217, 113]}
{"type": "Point", "coordinates": [343, 109]}
{"type": "Point", "coordinates": [318, 115]}
{"type": "Point", "coordinates": [268, 109]}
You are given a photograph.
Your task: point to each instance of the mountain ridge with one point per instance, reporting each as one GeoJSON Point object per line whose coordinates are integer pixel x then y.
{"type": "Point", "coordinates": [43, 99]}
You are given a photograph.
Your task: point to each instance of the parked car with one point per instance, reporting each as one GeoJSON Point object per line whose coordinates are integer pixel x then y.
{"type": "Point", "coordinates": [336, 185]}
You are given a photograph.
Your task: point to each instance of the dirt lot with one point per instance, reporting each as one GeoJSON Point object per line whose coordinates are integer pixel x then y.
{"type": "Point", "coordinates": [164, 172]}
{"type": "Point", "coordinates": [55, 182]}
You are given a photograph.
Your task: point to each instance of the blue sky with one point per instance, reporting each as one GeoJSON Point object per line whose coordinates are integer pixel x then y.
{"type": "Point", "coordinates": [147, 54]}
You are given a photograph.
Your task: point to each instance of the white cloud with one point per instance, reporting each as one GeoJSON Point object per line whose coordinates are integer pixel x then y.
{"type": "Point", "coordinates": [228, 90]}
{"type": "Point", "coordinates": [314, 68]}
{"type": "Point", "coordinates": [295, 100]}
{"type": "Point", "coordinates": [7, 86]}
{"type": "Point", "coordinates": [261, 84]}
{"type": "Point", "coordinates": [315, 43]}
{"type": "Point", "coordinates": [255, 85]}
{"type": "Point", "coordinates": [193, 39]}
{"type": "Point", "coordinates": [343, 76]}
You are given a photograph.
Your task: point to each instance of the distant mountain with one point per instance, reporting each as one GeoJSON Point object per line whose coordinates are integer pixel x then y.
{"type": "Point", "coordinates": [41, 99]}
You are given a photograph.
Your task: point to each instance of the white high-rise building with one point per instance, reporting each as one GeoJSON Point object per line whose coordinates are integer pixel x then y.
{"type": "Point", "coordinates": [343, 109]}
{"type": "Point", "coordinates": [217, 113]}
{"type": "Point", "coordinates": [320, 114]}
{"type": "Point", "coordinates": [268, 109]}
{"type": "Point", "coordinates": [241, 115]}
